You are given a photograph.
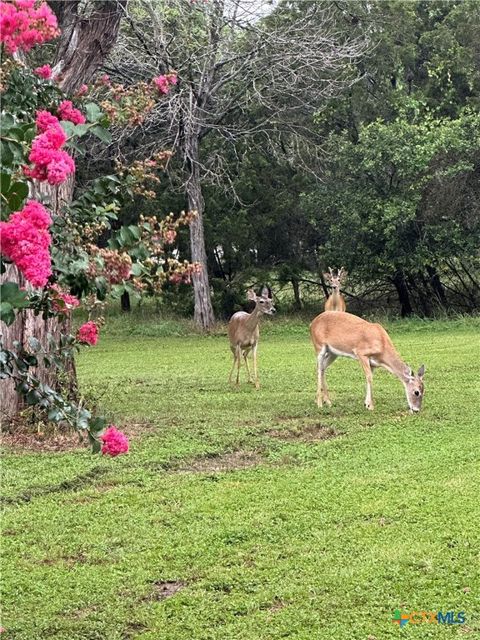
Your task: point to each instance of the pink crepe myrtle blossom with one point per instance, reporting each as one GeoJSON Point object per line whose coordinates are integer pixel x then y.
{"type": "Point", "coordinates": [83, 90]}
{"type": "Point", "coordinates": [44, 72]}
{"type": "Point", "coordinates": [88, 333]}
{"type": "Point", "coordinates": [50, 162]}
{"type": "Point", "coordinates": [67, 111]}
{"type": "Point", "coordinates": [25, 23]}
{"type": "Point", "coordinates": [164, 82]}
{"type": "Point", "coordinates": [45, 120]}
{"type": "Point", "coordinates": [62, 301]}
{"type": "Point", "coordinates": [114, 442]}
{"type": "Point", "coordinates": [25, 240]}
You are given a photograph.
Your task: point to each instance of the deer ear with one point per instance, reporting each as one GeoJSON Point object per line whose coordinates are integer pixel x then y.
{"type": "Point", "coordinates": [265, 292]}
{"type": "Point", "coordinates": [251, 295]}
{"type": "Point", "coordinates": [421, 371]}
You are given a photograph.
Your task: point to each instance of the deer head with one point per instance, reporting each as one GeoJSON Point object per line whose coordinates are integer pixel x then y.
{"type": "Point", "coordinates": [414, 388]}
{"type": "Point", "coordinates": [263, 303]}
{"type": "Point", "coordinates": [335, 280]}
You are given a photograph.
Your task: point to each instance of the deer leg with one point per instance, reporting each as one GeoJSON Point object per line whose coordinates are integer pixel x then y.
{"type": "Point", "coordinates": [234, 353]}
{"type": "Point", "coordinates": [324, 359]}
{"type": "Point", "coordinates": [255, 371]}
{"type": "Point", "coordinates": [245, 357]}
{"type": "Point", "coordinates": [238, 356]}
{"type": "Point", "coordinates": [365, 363]}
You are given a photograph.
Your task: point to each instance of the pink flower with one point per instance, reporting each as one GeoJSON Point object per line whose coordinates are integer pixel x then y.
{"type": "Point", "coordinates": [50, 162]}
{"type": "Point", "coordinates": [67, 111]}
{"type": "Point", "coordinates": [45, 120]}
{"type": "Point", "coordinates": [44, 72]}
{"type": "Point", "coordinates": [105, 79]}
{"type": "Point", "coordinates": [83, 90]}
{"type": "Point", "coordinates": [88, 333]}
{"type": "Point", "coordinates": [170, 236]}
{"type": "Point", "coordinates": [62, 301]}
{"type": "Point", "coordinates": [60, 167]}
{"type": "Point", "coordinates": [25, 240]}
{"type": "Point", "coordinates": [114, 442]}
{"type": "Point", "coordinates": [164, 82]}
{"type": "Point", "coordinates": [23, 25]}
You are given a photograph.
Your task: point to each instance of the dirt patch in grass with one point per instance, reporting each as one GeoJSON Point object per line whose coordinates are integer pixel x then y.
{"type": "Point", "coordinates": [232, 461]}
{"type": "Point", "coordinates": [21, 437]}
{"type": "Point", "coordinates": [163, 590]}
{"type": "Point", "coordinates": [305, 433]}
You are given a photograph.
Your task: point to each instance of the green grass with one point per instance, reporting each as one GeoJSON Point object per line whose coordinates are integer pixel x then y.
{"type": "Point", "coordinates": [319, 539]}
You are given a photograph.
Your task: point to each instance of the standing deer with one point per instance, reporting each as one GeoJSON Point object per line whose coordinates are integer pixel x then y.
{"type": "Point", "coordinates": [335, 301]}
{"type": "Point", "coordinates": [343, 334]}
{"type": "Point", "coordinates": [243, 333]}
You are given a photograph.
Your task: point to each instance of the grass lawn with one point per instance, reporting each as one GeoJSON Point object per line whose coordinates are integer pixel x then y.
{"type": "Point", "coordinates": [252, 515]}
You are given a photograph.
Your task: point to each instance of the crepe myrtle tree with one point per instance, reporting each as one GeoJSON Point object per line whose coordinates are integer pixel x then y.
{"type": "Point", "coordinates": [50, 259]}
{"type": "Point", "coordinates": [243, 68]}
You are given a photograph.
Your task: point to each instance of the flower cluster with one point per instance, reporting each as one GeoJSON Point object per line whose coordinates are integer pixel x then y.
{"type": "Point", "coordinates": [51, 162]}
{"type": "Point", "coordinates": [66, 111]}
{"type": "Point", "coordinates": [165, 82]}
{"type": "Point", "coordinates": [88, 333]}
{"type": "Point", "coordinates": [142, 171]}
{"type": "Point", "coordinates": [24, 25]}
{"type": "Point", "coordinates": [182, 271]}
{"type": "Point", "coordinates": [44, 72]}
{"type": "Point", "coordinates": [25, 240]}
{"type": "Point", "coordinates": [112, 264]}
{"type": "Point", "coordinates": [62, 301]}
{"type": "Point", "coordinates": [114, 442]}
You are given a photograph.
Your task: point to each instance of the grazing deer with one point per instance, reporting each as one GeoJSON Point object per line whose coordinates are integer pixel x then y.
{"type": "Point", "coordinates": [343, 334]}
{"type": "Point", "coordinates": [335, 301]}
{"type": "Point", "coordinates": [243, 333]}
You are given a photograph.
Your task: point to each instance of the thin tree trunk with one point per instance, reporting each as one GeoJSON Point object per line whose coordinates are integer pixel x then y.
{"type": "Point", "coordinates": [296, 294]}
{"type": "Point", "coordinates": [125, 302]}
{"type": "Point", "coordinates": [203, 313]}
{"type": "Point", "coordinates": [403, 295]}
{"type": "Point", "coordinates": [437, 286]}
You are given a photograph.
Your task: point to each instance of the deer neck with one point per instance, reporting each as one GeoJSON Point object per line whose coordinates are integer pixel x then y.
{"type": "Point", "coordinates": [253, 320]}
{"type": "Point", "coordinates": [396, 365]}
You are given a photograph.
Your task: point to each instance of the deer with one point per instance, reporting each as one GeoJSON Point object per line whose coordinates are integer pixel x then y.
{"type": "Point", "coordinates": [335, 301]}
{"type": "Point", "coordinates": [338, 333]}
{"type": "Point", "coordinates": [244, 332]}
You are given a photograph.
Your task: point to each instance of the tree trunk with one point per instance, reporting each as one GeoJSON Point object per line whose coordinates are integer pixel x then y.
{"type": "Point", "coordinates": [203, 314]}
{"type": "Point", "coordinates": [125, 302]}
{"type": "Point", "coordinates": [403, 295]}
{"type": "Point", "coordinates": [437, 286]}
{"type": "Point", "coordinates": [85, 42]}
{"type": "Point", "coordinates": [83, 45]}
{"type": "Point", "coordinates": [296, 294]}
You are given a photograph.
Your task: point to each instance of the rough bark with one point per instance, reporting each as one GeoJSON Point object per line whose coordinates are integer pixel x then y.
{"type": "Point", "coordinates": [83, 45]}
{"type": "Point", "coordinates": [85, 41]}
{"type": "Point", "coordinates": [203, 314]}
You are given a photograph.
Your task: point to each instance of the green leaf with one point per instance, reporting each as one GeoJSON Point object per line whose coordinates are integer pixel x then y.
{"type": "Point", "coordinates": [12, 294]}
{"type": "Point", "coordinates": [6, 154]}
{"type": "Point", "coordinates": [6, 121]}
{"type": "Point", "coordinates": [68, 127]}
{"type": "Point", "coordinates": [93, 111]}
{"type": "Point", "coordinates": [102, 134]}
{"type": "Point", "coordinates": [7, 314]}
{"type": "Point", "coordinates": [5, 180]}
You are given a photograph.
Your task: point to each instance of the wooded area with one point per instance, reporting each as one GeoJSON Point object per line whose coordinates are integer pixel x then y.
{"type": "Point", "coordinates": [331, 133]}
